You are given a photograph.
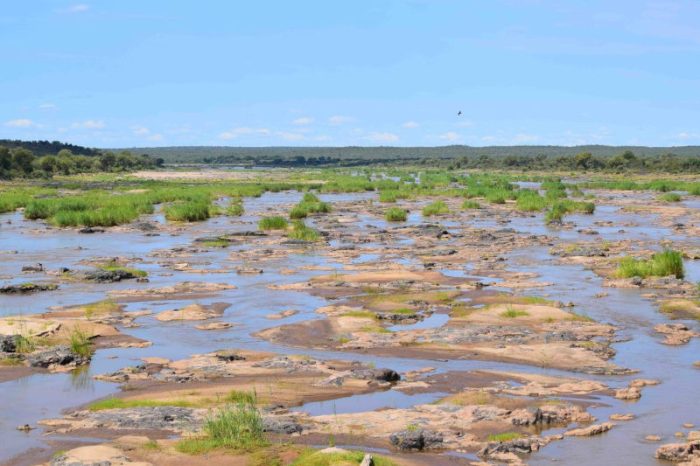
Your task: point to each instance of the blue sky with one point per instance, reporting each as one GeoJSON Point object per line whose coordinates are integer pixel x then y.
{"type": "Point", "coordinates": [335, 73]}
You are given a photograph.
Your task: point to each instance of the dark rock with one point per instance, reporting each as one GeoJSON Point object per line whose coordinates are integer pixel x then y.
{"type": "Point", "coordinates": [33, 268]}
{"type": "Point", "coordinates": [27, 288]}
{"type": "Point", "coordinates": [520, 445]}
{"type": "Point", "coordinates": [145, 226]}
{"type": "Point", "coordinates": [229, 356]}
{"type": "Point", "coordinates": [109, 276]}
{"type": "Point", "coordinates": [383, 375]}
{"type": "Point", "coordinates": [419, 439]}
{"type": "Point", "coordinates": [60, 355]}
{"type": "Point", "coordinates": [8, 343]}
{"type": "Point", "coordinates": [90, 230]}
{"type": "Point", "coordinates": [282, 425]}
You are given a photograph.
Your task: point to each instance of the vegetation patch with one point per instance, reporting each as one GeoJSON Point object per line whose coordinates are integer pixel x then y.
{"type": "Point", "coordinates": [395, 214]}
{"type": "Point", "coordinates": [273, 223]}
{"type": "Point", "coordinates": [662, 264]}
{"type": "Point", "coordinates": [504, 437]}
{"type": "Point", "coordinates": [237, 426]}
{"type": "Point", "coordinates": [435, 208]}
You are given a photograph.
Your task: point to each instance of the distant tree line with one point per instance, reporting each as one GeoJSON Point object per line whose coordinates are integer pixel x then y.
{"type": "Point", "coordinates": [585, 161]}
{"type": "Point", "coordinates": [21, 162]}
{"type": "Point", "coordinates": [582, 158]}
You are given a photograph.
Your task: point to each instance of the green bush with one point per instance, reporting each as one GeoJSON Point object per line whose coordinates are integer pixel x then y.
{"type": "Point", "coordinates": [530, 201]}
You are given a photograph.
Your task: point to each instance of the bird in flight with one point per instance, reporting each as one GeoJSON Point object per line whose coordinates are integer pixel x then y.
{"type": "Point", "coordinates": [459, 113]}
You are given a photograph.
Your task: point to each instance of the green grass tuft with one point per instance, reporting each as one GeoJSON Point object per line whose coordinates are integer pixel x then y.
{"type": "Point", "coordinates": [273, 223]}
{"type": "Point", "coordinates": [395, 214]}
{"type": "Point", "coordinates": [661, 264]}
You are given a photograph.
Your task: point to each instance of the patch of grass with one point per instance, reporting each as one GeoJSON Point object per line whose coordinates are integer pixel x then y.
{"type": "Point", "coordinates": [303, 233]}
{"type": "Point", "coordinates": [512, 313]}
{"type": "Point", "coordinates": [237, 396]}
{"type": "Point", "coordinates": [100, 308]}
{"type": "Point", "coordinates": [273, 223]}
{"type": "Point", "coordinates": [315, 458]}
{"type": "Point", "coordinates": [374, 329]}
{"type": "Point", "coordinates": [530, 201]}
{"type": "Point", "coordinates": [662, 264]}
{"type": "Point", "coordinates": [237, 427]}
{"type": "Point", "coordinates": [119, 403]}
{"type": "Point", "coordinates": [216, 243]}
{"type": "Point", "coordinates": [670, 197]}
{"type": "Point", "coordinates": [504, 437]}
{"type": "Point", "coordinates": [188, 211]}
{"type": "Point", "coordinates": [395, 214]}
{"type": "Point", "coordinates": [471, 204]}
{"type": "Point", "coordinates": [435, 208]}
{"type": "Point", "coordinates": [235, 209]}
{"type": "Point", "coordinates": [11, 361]}
{"type": "Point", "coordinates": [361, 314]}
{"type": "Point", "coordinates": [114, 267]}
{"type": "Point", "coordinates": [79, 343]}
{"type": "Point", "coordinates": [25, 344]}
{"type": "Point", "coordinates": [151, 445]}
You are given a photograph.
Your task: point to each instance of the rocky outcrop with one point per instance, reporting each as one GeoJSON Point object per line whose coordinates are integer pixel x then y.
{"type": "Point", "coordinates": [27, 288]}
{"type": "Point", "coordinates": [282, 425]}
{"type": "Point", "coordinates": [517, 446]}
{"type": "Point", "coordinates": [416, 439]}
{"type": "Point", "coordinates": [679, 452]}
{"type": "Point", "coordinates": [382, 375]}
{"type": "Point", "coordinates": [109, 276]}
{"type": "Point", "coordinates": [60, 355]}
{"type": "Point", "coordinates": [590, 430]}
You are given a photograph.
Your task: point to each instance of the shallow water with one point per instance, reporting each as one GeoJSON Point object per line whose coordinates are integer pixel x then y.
{"type": "Point", "coordinates": [661, 410]}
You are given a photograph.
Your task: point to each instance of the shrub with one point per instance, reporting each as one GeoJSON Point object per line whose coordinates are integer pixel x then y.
{"type": "Point", "coordinates": [273, 223]}
{"type": "Point", "coordinates": [298, 211]}
{"type": "Point", "coordinates": [315, 458]}
{"type": "Point", "coordinates": [395, 214]}
{"type": "Point", "coordinates": [661, 264]}
{"type": "Point", "coordinates": [435, 208]}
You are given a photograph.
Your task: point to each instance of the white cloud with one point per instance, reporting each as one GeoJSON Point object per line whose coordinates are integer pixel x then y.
{"type": "Point", "coordinates": [243, 131]}
{"type": "Point", "coordinates": [523, 138]}
{"type": "Point", "coordinates": [48, 106]}
{"type": "Point", "coordinates": [323, 138]}
{"type": "Point", "coordinates": [382, 137]}
{"type": "Point", "coordinates": [89, 124]}
{"type": "Point", "coordinates": [20, 123]}
{"type": "Point", "coordinates": [287, 136]}
{"type": "Point", "coordinates": [141, 130]}
{"type": "Point", "coordinates": [155, 137]}
{"type": "Point", "coordinates": [303, 121]}
{"type": "Point", "coordinates": [340, 119]}
{"type": "Point", "coordinates": [684, 136]}
{"type": "Point", "coordinates": [450, 136]}
{"type": "Point", "coordinates": [78, 8]}
{"type": "Point", "coordinates": [410, 125]}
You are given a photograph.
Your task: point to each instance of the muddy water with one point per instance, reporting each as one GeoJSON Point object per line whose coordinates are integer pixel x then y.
{"type": "Point", "coordinates": [661, 411]}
